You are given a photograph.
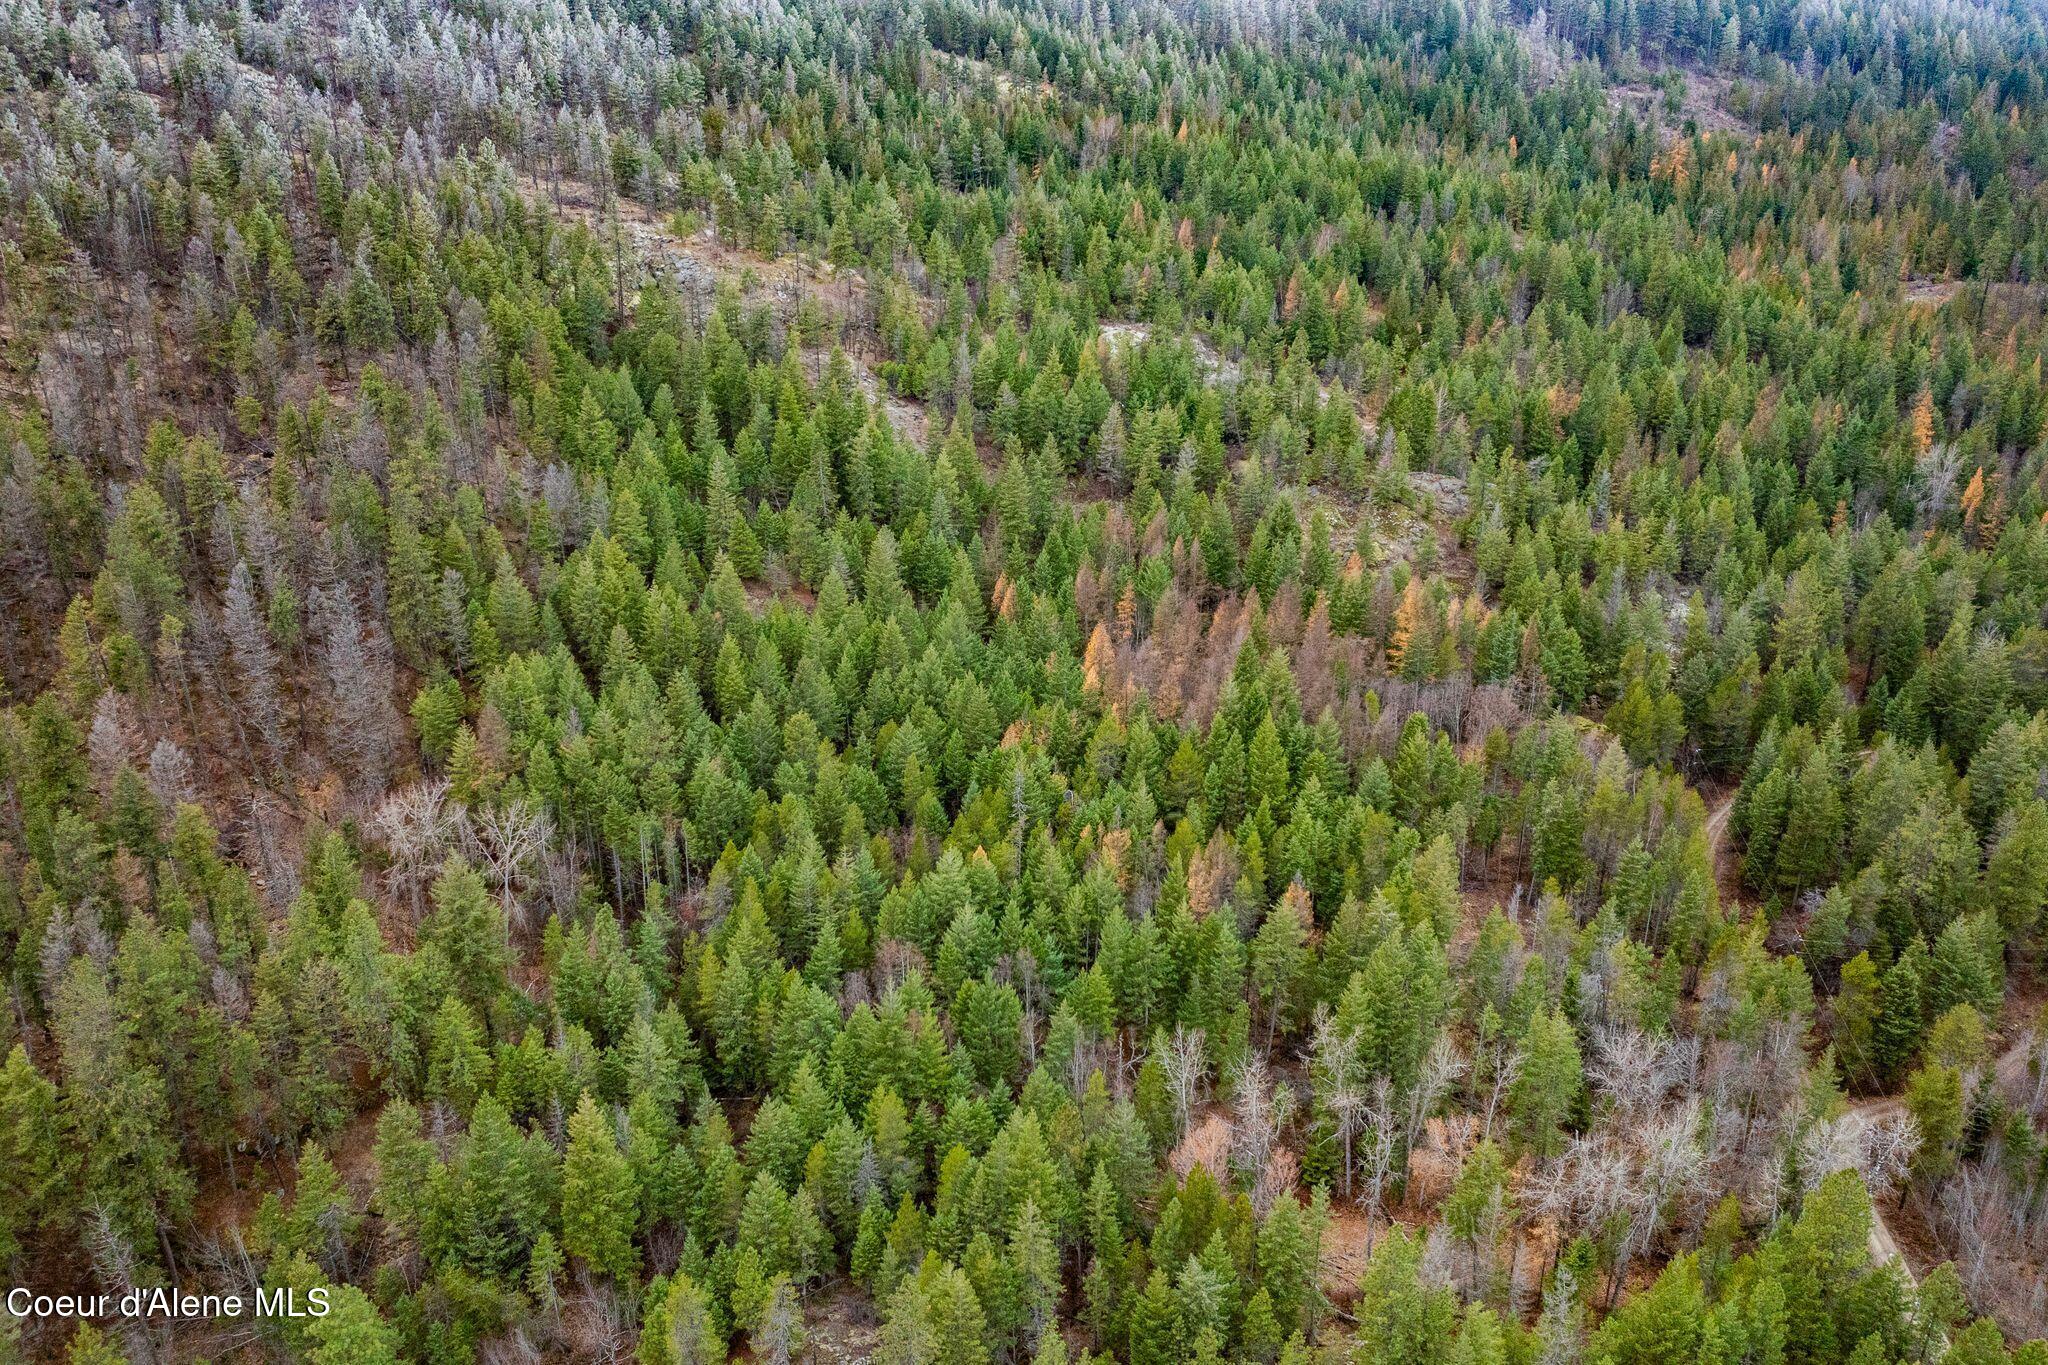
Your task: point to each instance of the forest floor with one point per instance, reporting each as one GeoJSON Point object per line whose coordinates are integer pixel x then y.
{"type": "Point", "coordinates": [1704, 102]}
{"type": "Point", "coordinates": [1931, 293]}
{"type": "Point", "coordinates": [840, 1324]}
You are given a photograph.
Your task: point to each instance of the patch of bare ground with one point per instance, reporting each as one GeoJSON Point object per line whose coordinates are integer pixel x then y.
{"type": "Point", "coordinates": [779, 586]}
{"type": "Point", "coordinates": [2021, 1022]}
{"type": "Point", "coordinates": [1209, 362]}
{"type": "Point", "coordinates": [905, 415]}
{"type": "Point", "coordinates": [839, 1325]}
{"type": "Point", "coordinates": [1354, 1230]}
{"type": "Point", "coordinates": [1900, 1231]}
{"type": "Point", "coordinates": [1348, 1240]}
{"type": "Point", "coordinates": [1727, 862]}
{"type": "Point", "coordinates": [1998, 309]}
{"type": "Point", "coordinates": [354, 1150]}
{"type": "Point", "coordinates": [229, 1195]}
{"type": "Point", "coordinates": [1704, 103]}
{"type": "Point", "coordinates": [1416, 529]}
{"type": "Point", "coordinates": [1499, 887]}
{"type": "Point", "coordinates": [654, 239]}
{"type": "Point", "coordinates": [1929, 293]}
{"type": "Point", "coordinates": [1085, 490]}
{"type": "Point", "coordinates": [1004, 84]}
{"type": "Point", "coordinates": [1443, 495]}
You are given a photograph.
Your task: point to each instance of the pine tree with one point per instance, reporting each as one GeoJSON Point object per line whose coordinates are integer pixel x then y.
{"type": "Point", "coordinates": [1266, 766]}
{"type": "Point", "coordinates": [351, 1332]}
{"type": "Point", "coordinates": [681, 1328]}
{"type": "Point", "coordinates": [1155, 1324]}
{"type": "Point", "coordinates": [1934, 1097]}
{"type": "Point", "coordinates": [1036, 1264]}
{"type": "Point", "coordinates": [117, 1115]}
{"type": "Point", "coordinates": [1289, 1262]}
{"type": "Point", "coordinates": [2016, 875]}
{"type": "Point", "coordinates": [34, 1155]}
{"type": "Point", "coordinates": [1806, 851]}
{"type": "Point", "coordinates": [1854, 1016]}
{"type": "Point", "coordinates": [90, 1346]}
{"type": "Point", "coordinates": [1474, 1211]}
{"type": "Point", "coordinates": [1901, 1019]}
{"type": "Point", "coordinates": [1661, 1326]}
{"type": "Point", "coordinates": [467, 927]}
{"type": "Point", "coordinates": [598, 1194]}
{"type": "Point", "coordinates": [1546, 1089]}
{"type": "Point", "coordinates": [1400, 1320]}
{"type": "Point", "coordinates": [1280, 959]}
{"type": "Point", "coordinates": [1559, 853]}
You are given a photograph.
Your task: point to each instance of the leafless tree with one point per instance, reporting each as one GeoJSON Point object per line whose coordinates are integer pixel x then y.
{"type": "Point", "coordinates": [1252, 1126]}
{"type": "Point", "coordinates": [516, 1347]}
{"type": "Point", "coordinates": [1561, 1331]}
{"type": "Point", "coordinates": [111, 744]}
{"type": "Point", "coordinates": [1380, 1141]}
{"type": "Point", "coordinates": [1939, 469]}
{"type": "Point", "coordinates": [1753, 1085]}
{"type": "Point", "coordinates": [1637, 1071]}
{"type": "Point", "coordinates": [417, 825]}
{"type": "Point", "coordinates": [600, 1327]}
{"type": "Point", "coordinates": [254, 659]}
{"type": "Point", "coordinates": [358, 668]}
{"type": "Point", "coordinates": [1668, 1176]}
{"type": "Point", "coordinates": [2023, 1068]}
{"type": "Point", "coordinates": [1586, 1185]}
{"type": "Point", "coordinates": [1504, 1064]}
{"type": "Point", "coordinates": [170, 775]}
{"type": "Point", "coordinates": [1185, 1064]}
{"type": "Point", "coordinates": [1259, 1110]}
{"type": "Point", "coordinates": [782, 1327]}
{"type": "Point", "coordinates": [280, 875]}
{"type": "Point", "coordinates": [1441, 1069]}
{"type": "Point", "coordinates": [1334, 1073]}
{"type": "Point", "coordinates": [113, 1258]}
{"type": "Point", "coordinates": [1880, 1148]}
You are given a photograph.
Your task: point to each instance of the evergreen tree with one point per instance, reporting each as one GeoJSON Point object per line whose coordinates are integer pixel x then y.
{"type": "Point", "coordinates": [598, 1194]}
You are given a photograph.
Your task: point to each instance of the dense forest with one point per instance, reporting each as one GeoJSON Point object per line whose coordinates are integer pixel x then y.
{"type": "Point", "coordinates": [971, 682]}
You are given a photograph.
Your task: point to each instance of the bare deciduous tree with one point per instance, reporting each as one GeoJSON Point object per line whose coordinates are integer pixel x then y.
{"type": "Point", "coordinates": [1879, 1147]}
{"type": "Point", "coordinates": [111, 744]}
{"type": "Point", "coordinates": [171, 780]}
{"type": "Point", "coordinates": [1185, 1064]}
{"type": "Point", "coordinates": [1442, 1067]}
{"type": "Point", "coordinates": [254, 660]}
{"type": "Point", "coordinates": [1334, 1072]}
{"type": "Point", "coordinates": [1259, 1110]}
{"type": "Point", "coordinates": [358, 668]}
{"type": "Point", "coordinates": [417, 825]}
{"type": "Point", "coordinates": [782, 1327]}
{"type": "Point", "coordinates": [511, 840]}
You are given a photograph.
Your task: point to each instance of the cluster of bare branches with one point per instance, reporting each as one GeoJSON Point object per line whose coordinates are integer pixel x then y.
{"type": "Point", "coordinates": [512, 842]}
{"type": "Point", "coordinates": [1376, 1124]}
{"type": "Point", "coordinates": [1643, 1165]}
{"type": "Point", "coordinates": [1991, 1214]}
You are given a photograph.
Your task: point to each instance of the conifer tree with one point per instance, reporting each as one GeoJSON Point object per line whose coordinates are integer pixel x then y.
{"type": "Point", "coordinates": [598, 1194]}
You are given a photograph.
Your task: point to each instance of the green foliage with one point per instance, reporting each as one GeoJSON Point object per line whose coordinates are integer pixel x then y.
{"type": "Point", "coordinates": [1036, 639]}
